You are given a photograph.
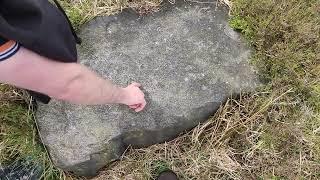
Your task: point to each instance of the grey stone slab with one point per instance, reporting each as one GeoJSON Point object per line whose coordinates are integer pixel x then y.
{"type": "Point", "coordinates": [187, 58]}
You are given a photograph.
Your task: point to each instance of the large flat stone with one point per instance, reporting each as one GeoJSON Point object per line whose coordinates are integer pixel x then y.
{"type": "Point", "coordinates": [187, 58]}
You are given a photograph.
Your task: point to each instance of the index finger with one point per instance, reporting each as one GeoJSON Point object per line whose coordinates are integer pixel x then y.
{"type": "Point", "coordinates": [136, 84]}
{"type": "Point", "coordinates": [141, 107]}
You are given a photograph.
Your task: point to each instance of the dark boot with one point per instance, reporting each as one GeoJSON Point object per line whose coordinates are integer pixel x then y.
{"type": "Point", "coordinates": [167, 175]}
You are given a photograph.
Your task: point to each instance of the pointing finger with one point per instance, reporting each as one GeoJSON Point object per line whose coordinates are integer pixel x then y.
{"type": "Point", "coordinates": [136, 84]}
{"type": "Point", "coordinates": [141, 107]}
{"type": "Point", "coordinates": [134, 106]}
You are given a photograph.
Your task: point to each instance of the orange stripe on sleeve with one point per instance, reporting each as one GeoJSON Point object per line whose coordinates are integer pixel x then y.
{"type": "Point", "coordinates": [8, 45]}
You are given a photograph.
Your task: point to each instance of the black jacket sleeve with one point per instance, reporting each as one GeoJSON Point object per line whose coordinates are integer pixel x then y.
{"type": "Point", "coordinates": [38, 26]}
{"type": "Point", "coordinates": [2, 41]}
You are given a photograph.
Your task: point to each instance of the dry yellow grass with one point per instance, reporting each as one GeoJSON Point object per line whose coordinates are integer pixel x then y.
{"type": "Point", "coordinates": [81, 11]}
{"type": "Point", "coordinates": [225, 147]}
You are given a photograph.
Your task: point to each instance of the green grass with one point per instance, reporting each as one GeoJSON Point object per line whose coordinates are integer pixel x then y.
{"type": "Point", "coordinates": [286, 36]}
{"type": "Point", "coordinates": [19, 138]}
{"type": "Point", "coordinates": [159, 167]}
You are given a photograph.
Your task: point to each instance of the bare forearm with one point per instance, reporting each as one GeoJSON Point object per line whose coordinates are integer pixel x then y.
{"type": "Point", "coordinates": [66, 81]}
{"type": "Point", "coordinates": [71, 82]}
{"type": "Point", "coordinates": [86, 87]}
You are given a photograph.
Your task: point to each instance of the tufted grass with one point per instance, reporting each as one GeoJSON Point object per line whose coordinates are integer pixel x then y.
{"type": "Point", "coordinates": [270, 134]}
{"type": "Point", "coordinates": [81, 11]}
{"type": "Point", "coordinates": [19, 138]}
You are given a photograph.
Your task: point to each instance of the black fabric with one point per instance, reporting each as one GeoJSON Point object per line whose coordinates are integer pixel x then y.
{"type": "Point", "coordinates": [40, 27]}
{"type": "Point", "coordinates": [3, 41]}
{"type": "Point", "coordinates": [167, 175]}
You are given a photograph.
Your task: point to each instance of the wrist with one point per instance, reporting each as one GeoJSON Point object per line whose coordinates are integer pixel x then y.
{"type": "Point", "coordinates": [121, 95]}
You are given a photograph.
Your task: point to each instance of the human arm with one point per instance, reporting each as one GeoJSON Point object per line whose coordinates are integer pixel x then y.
{"type": "Point", "coordinates": [70, 82]}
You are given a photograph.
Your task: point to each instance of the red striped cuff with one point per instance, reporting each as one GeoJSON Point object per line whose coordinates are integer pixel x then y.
{"type": "Point", "coordinates": [8, 49]}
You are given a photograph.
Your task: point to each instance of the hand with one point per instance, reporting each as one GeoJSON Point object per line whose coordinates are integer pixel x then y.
{"type": "Point", "coordinates": [134, 97]}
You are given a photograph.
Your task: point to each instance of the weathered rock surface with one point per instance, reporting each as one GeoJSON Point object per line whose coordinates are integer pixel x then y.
{"type": "Point", "coordinates": [188, 60]}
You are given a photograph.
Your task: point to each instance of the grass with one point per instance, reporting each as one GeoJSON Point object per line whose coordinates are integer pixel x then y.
{"type": "Point", "coordinates": [82, 11]}
{"type": "Point", "coordinates": [273, 133]}
{"type": "Point", "coordinates": [213, 150]}
{"type": "Point", "coordinates": [19, 140]}
{"type": "Point", "coordinates": [242, 141]}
